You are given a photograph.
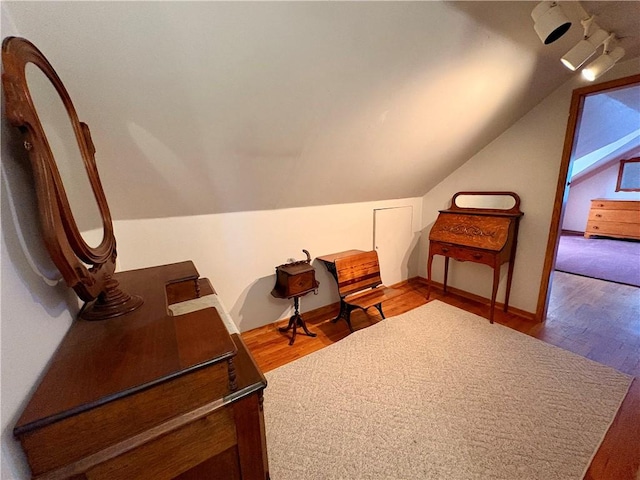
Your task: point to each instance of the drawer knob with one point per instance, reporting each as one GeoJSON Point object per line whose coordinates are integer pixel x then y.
{"type": "Point", "coordinates": [477, 255]}
{"type": "Point", "coordinates": [445, 249]}
{"type": "Point", "coordinates": [595, 227]}
{"type": "Point", "coordinates": [598, 215]}
{"type": "Point", "coordinates": [601, 204]}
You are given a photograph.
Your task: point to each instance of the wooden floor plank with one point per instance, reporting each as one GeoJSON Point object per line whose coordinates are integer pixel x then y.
{"type": "Point", "coordinates": [596, 319]}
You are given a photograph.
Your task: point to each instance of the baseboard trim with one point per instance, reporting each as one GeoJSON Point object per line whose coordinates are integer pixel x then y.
{"type": "Point", "coordinates": [529, 316]}
{"type": "Point", "coordinates": [333, 308]}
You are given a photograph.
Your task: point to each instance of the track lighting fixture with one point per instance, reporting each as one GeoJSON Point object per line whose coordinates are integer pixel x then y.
{"type": "Point", "coordinates": [550, 22]}
{"type": "Point", "coordinates": [585, 48]}
{"type": "Point", "coordinates": [605, 61]}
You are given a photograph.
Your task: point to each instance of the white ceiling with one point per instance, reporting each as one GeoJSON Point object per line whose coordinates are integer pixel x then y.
{"type": "Point", "coordinates": [209, 107]}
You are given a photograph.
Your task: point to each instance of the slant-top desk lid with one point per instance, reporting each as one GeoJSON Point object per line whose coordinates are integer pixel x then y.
{"type": "Point", "coordinates": [101, 361]}
{"type": "Point", "coordinates": [488, 228]}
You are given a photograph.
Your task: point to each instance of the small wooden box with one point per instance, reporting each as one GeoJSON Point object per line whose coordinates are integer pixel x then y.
{"type": "Point", "coordinates": [294, 280]}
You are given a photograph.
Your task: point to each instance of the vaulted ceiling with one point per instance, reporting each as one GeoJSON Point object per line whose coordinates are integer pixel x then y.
{"type": "Point", "coordinates": [609, 130]}
{"type": "Point", "coordinates": [210, 107]}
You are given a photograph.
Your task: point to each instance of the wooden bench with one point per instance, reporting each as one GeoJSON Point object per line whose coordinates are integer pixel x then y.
{"type": "Point", "coordinates": [360, 285]}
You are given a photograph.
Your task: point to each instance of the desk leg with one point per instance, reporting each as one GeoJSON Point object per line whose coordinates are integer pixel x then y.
{"type": "Point", "coordinates": [446, 273]}
{"type": "Point", "coordinates": [508, 292]}
{"type": "Point", "coordinates": [331, 268]}
{"type": "Point", "coordinates": [494, 290]}
{"type": "Point", "coordinates": [345, 313]}
{"type": "Point", "coordinates": [429, 263]}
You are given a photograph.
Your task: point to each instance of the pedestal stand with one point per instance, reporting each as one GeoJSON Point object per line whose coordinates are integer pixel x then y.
{"type": "Point", "coordinates": [296, 321]}
{"type": "Point", "coordinates": [293, 280]}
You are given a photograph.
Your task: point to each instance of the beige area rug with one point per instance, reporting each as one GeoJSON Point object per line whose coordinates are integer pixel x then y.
{"type": "Point", "coordinates": [439, 393]}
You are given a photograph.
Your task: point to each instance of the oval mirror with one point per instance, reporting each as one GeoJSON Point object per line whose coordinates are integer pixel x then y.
{"type": "Point", "coordinates": [65, 149]}
{"type": "Point", "coordinates": [492, 201]}
{"type": "Point", "coordinates": [74, 214]}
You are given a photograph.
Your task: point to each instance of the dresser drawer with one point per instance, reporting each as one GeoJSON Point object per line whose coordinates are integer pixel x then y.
{"type": "Point", "coordinates": [86, 433]}
{"type": "Point", "coordinates": [614, 218]}
{"type": "Point", "coordinates": [613, 229]}
{"type": "Point", "coordinates": [623, 216]}
{"type": "Point", "coordinates": [462, 254]}
{"type": "Point", "coordinates": [169, 454]}
{"type": "Point", "coordinates": [632, 205]}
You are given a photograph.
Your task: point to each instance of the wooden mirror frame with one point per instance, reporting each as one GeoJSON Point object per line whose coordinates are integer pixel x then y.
{"type": "Point", "coordinates": [620, 187]}
{"type": "Point", "coordinates": [514, 210]}
{"type": "Point", "coordinates": [88, 270]}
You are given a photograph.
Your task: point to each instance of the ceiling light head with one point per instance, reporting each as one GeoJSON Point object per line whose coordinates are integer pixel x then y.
{"type": "Point", "coordinates": [550, 22]}
{"type": "Point", "coordinates": [584, 49]}
{"type": "Point", "coordinates": [602, 64]}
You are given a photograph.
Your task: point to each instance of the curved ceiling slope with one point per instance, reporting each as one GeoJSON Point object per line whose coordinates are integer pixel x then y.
{"type": "Point", "coordinates": [211, 107]}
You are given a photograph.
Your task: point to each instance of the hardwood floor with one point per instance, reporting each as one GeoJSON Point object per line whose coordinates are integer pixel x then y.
{"type": "Point", "coordinates": [593, 318]}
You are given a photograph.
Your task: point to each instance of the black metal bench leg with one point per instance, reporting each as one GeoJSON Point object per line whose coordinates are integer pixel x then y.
{"type": "Point", "coordinates": [347, 317]}
{"type": "Point", "coordinates": [341, 314]}
{"type": "Point", "coordinates": [379, 307]}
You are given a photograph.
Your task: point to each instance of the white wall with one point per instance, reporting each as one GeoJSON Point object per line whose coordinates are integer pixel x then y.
{"type": "Point", "coordinates": [34, 314]}
{"type": "Point", "coordinates": [35, 310]}
{"type": "Point", "coordinates": [599, 185]}
{"type": "Point", "coordinates": [238, 252]}
{"type": "Point", "coordinates": [525, 159]}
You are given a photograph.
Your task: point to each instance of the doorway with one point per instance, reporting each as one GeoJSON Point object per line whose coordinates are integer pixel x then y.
{"type": "Point", "coordinates": [562, 190]}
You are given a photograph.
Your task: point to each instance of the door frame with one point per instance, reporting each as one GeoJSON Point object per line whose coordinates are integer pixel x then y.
{"type": "Point", "coordinates": [562, 189]}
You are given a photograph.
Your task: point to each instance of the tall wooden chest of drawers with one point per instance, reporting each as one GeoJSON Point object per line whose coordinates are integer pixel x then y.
{"type": "Point", "coordinates": [614, 218]}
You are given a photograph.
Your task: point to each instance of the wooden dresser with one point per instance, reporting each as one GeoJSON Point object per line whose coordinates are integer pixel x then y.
{"type": "Point", "coordinates": [481, 235]}
{"type": "Point", "coordinates": [149, 394]}
{"type": "Point", "coordinates": [614, 218]}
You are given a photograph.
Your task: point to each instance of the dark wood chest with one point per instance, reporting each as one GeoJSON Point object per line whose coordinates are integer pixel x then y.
{"type": "Point", "coordinates": [149, 394]}
{"type": "Point", "coordinates": [294, 280]}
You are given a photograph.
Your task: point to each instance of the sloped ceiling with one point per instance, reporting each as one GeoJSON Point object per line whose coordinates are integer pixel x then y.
{"type": "Point", "coordinates": [210, 107]}
{"type": "Point", "coordinates": [609, 130]}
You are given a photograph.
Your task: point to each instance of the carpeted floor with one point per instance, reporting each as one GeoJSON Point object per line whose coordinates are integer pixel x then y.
{"type": "Point", "coordinates": [604, 258]}
{"type": "Point", "coordinates": [438, 393]}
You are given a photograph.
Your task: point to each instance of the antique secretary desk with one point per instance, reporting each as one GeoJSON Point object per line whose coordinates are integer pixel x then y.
{"type": "Point", "coordinates": [149, 381]}
{"type": "Point", "coordinates": [481, 231]}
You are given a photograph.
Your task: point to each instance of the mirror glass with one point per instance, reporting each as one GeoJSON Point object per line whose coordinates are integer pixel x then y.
{"type": "Point", "coordinates": [64, 146]}
{"type": "Point", "coordinates": [629, 176]}
{"type": "Point", "coordinates": [495, 202]}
